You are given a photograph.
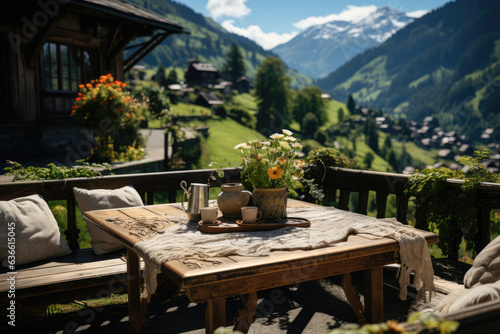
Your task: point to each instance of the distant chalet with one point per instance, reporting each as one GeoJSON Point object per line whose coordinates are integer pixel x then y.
{"type": "Point", "coordinates": [202, 74]}
{"type": "Point", "coordinates": [208, 100]}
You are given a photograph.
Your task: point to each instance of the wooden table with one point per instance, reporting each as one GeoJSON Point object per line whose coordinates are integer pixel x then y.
{"type": "Point", "coordinates": [244, 276]}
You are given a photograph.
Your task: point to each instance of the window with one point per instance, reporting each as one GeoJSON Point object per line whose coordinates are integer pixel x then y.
{"type": "Point", "coordinates": [65, 67]}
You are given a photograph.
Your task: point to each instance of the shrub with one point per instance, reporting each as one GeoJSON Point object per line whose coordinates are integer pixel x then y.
{"type": "Point", "coordinates": [220, 111]}
{"type": "Point", "coordinates": [157, 101]}
{"type": "Point", "coordinates": [243, 116]}
{"type": "Point", "coordinates": [111, 115]}
{"type": "Point", "coordinates": [52, 172]}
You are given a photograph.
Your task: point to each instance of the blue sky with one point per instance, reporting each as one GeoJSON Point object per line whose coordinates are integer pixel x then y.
{"type": "Point", "coordinates": [272, 22]}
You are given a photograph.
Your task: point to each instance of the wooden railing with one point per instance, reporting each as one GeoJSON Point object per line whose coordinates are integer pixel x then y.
{"type": "Point", "coordinates": [348, 181]}
{"type": "Point", "coordinates": [339, 184]}
{"type": "Point", "coordinates": [147, 184]}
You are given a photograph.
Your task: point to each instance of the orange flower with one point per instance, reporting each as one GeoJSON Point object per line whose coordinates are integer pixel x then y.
{"type": "Point", "coordinates": [281, 161]}
{"type": "Point", "coordinates": [395, 326]}
{"type": "Point", "coordinates": [275, 173]}
{"type": "Point", "coordinates": [81, 86]}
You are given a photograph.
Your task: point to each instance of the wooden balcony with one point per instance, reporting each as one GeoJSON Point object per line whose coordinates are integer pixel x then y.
{"type": "Point", "coordinates": [305, 307]}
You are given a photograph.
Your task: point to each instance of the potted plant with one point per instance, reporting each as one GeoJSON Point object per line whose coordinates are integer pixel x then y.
{"type": "Point", "coordinates": [272, 169]}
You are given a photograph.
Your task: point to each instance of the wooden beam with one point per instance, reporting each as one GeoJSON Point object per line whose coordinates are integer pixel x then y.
{"type": "Point", "coordinates": [115, 49]}
{"type": "Point", "coordinates": [144, 50]}
{"type": "Point", "coordinates": [113, 39]}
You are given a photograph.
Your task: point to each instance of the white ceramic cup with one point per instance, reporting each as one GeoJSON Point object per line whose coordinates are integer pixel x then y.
{"type": "Point", "coordinates": [250, 214]}
{"type": "Point", "coordinates": [209, 214]}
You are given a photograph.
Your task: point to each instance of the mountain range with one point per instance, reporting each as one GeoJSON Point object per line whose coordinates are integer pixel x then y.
{"type": "Point", "coordinates": [445, 64]}
{"type": "Point", "coordinates": [321, 49]}
{"type": "Point", "coordinates": [208, 41]}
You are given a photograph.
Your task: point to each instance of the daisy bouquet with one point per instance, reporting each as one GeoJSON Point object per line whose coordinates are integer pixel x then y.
{"type": "Point", "coordinates": [274, 163]}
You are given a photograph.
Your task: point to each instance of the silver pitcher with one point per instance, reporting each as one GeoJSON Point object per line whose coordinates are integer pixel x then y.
{"type": "Point", "coordinates": [197, 195]}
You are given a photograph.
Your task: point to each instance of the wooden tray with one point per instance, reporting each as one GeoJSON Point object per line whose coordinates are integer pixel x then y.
{"type": "Point", "coordinates": [261, 225]}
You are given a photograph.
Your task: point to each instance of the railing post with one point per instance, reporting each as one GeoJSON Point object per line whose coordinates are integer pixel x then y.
{"type": "Point", "coordinates": [402, 207]}
{"type": "Point", "coordinates": [363, 202]}
{"type": "Point", "coordinates": [421, 218]}
{"type": "Point", "coordinates": [150, 198]}
{"type": "Point", "coordinates": [381, 201]}
{"type": "Point", "coordinates": [72, 232]}
{"type": "Point", "coordinates": [483, 227]}
{"type": "Point", "coordinates": [171, 196]}
{"type": "Point", "coordinates": [330, 195]}
{"type": "Point", "coordinates": [455, 240]}
{"type": "Point", "coordinates": [344, 199]}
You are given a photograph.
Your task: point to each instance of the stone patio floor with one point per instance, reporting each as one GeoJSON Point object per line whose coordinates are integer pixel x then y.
{"type": "Point", "coordinates": [311, 307]}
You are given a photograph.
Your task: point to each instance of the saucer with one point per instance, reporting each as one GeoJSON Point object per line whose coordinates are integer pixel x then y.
{"type": "Point", "coordinates": [241, 222]}
{"type": "Point", "coordinates": [217, 222]}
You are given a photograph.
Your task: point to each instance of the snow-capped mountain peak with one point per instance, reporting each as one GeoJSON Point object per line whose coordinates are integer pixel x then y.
{"type": "Point", "coordinates": [379, 26]}
{"type": "Point", "coordinates": [326, 39]}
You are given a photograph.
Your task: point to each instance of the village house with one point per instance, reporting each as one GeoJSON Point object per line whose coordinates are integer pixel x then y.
{"type": "Point", "coordinates": [203, 74]}
{"type": "Point", "coordinates": [208, 100]}
{"type": "Point", "coordinates": [48, 48]}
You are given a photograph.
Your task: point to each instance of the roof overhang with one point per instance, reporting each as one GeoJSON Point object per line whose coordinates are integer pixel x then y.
{"type": "Point", "coordinates": [152, 24]}
{"type": "Point", "coordinates": [127, 11]}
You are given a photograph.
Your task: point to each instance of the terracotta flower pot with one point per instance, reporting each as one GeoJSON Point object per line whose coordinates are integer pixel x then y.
{"type": "Point", "coordinates": [271, 202]}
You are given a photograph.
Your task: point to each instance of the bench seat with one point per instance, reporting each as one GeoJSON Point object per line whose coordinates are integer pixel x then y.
{"type": "Point", "coordinates": [81, 274]}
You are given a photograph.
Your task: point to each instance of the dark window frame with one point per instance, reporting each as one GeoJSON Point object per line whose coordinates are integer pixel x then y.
{"type": "Point", "coordinates": [65, 67]}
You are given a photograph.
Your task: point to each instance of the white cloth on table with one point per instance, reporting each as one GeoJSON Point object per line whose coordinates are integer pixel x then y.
{"type": "Point", "coordinates": [328, 226]}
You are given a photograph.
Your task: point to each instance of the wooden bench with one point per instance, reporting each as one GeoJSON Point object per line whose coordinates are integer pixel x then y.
{"type": "Point", "coordinates": [83, 274]}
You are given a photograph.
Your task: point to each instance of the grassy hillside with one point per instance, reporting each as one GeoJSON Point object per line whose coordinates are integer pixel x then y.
{"type": "Point", "coordinates": [224, 135]}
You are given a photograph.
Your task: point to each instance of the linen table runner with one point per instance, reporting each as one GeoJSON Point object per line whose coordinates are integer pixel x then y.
{"type": "Point", "coordinates": [328, 226]}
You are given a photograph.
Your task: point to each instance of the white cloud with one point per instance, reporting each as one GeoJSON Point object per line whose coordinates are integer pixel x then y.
{"type": "Point", "coordinates": [228, 8]}
{"type": "Point", "coordinates": [350, 14]}
{"type": "Point", "coordinates": [255, 33]}
{"type": "Point", "coordinates": [418, 13]}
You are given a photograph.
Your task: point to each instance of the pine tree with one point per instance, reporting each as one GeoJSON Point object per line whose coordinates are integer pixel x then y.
{"type": "Point", "coordinates": [309, 124]}
{"type": "Point", "coordinates": [393, 161]}
{"type": "Point", "coordinates": [160, 75]}
{"type": "Point", "coordinates": [368, 160]}
{"type": "Point", "coordinates": [351, 105]}
{"type": "Point", "coordinates": [340, 115]}
{"type": "Point", "coordinates": [234, 67]}
{"type": "Point", "coordinates": [172, 75]}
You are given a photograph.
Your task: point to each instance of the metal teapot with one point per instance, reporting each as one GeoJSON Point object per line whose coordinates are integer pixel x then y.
{"type": "Point", "coordinates": [197, 195]}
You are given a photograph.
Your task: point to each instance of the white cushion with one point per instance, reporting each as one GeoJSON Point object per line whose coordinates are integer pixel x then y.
{"type": "Point", "coordinates": [98, 199]}
{"type": "Point", "coordinates": [460, 299]}
{"type": "Point", "coordinates": [29, 223]}
{"type": "Point", "coordinates": [486, 266]}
